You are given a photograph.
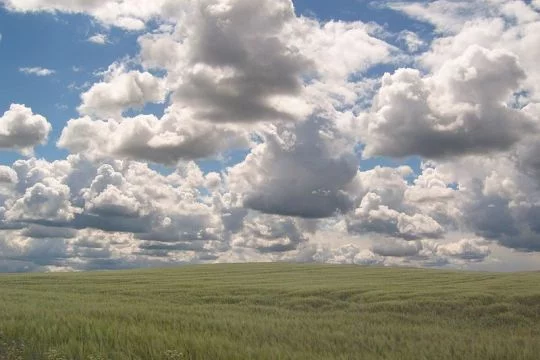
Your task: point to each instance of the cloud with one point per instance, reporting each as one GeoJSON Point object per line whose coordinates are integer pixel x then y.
{"type": "Point", "coordinates": [466, 249]}
{"type": "Point", "coordinates": [225, 69]}
{"type": "Point", "coordinates": [46, 232]}
{"type": "Point", "coordinates": [270, 234]}
{"type": "Point", "coordinates": [509, 25]}
{"type": "Point", "coordinates": [397, 248]}
{"type": "Point", "coordinates": [7, 175]}
{"type": "Point", "coordinates": [122, 90]}
{"type": "Point", "coordinates": [443, 13]}
{"type": "Point", "coordinates": [300, 172]}
{"type": "Point", "coordinates": [122, 214]}
{"type": "Point", "coordinates": [411, 40]}
{"type": "Point", "coordinates": [498, 191]}
{"type": "Point", "coordinates": [37, 71]}
{"type": "Point", "coordinates": [130, 206]}
{"type": "Point", "coordinates": [399, 253]}
{"type": "Point", "coordinates": [304, 99]}
{"type": "Point", "coordinates": [239, 71]}
{"type": "Point", "coordinates": [99, 39]}
{"type": "Point", "coordinates": [129, 15]}
{"type": "Point", "coordinates": [459, 110]}
{"type": "Point", "coordinates": [168, 140]}
{"type": "Point", "coordinates": [21, 130]}
{"type": "Point", "coordinates": [384, 208]}
{"type": "Point", "coordinates": [47, 200]}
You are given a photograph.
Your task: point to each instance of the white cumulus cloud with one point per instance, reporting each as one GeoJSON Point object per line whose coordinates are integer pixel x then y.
{"type": "Point", "coordinates": [21, 130]}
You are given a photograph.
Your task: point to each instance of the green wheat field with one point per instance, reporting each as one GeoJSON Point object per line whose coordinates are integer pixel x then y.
{"type": "Point", "coordinates": [270, 311]}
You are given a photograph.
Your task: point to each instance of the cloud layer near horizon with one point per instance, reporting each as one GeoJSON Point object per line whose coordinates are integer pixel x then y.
{"type": "Point", "coordinates": [301, 97]}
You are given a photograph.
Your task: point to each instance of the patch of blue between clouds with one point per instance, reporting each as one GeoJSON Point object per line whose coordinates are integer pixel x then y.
{"type": "Point", "coordinates": [56, 42]}
{"type": "Point", "coordinates": [227, 159]}
{"type": "Point", "coordinates": [368, 11]}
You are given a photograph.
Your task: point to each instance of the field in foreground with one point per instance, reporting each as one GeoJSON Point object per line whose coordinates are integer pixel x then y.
{"type": "Point", "coordinates": [270, 311]}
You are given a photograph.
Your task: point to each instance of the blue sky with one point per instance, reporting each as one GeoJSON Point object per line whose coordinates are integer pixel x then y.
{"type": "Point", "coordinates": [59, 42]}
{"type": "Point", "coordinates": [352, 132]}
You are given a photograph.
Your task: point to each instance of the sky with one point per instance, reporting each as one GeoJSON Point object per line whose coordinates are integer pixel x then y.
{"type": "Point", "coordinates": [153, 134]}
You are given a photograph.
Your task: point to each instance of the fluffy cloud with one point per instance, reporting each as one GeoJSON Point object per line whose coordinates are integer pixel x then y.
{"type": "Point", "coordinates": [46, 200]}
{"type": "Point", "coordinates": [122, 214]}
{"type": "Point", "coordinates": [300, 172]}
{"type": "Point", "coordinates": [399, 253]}
{"type": "Point", "coordinates": [385, 209]}
{"type": "Point", "coordinates": [7, 175]}
{"type": "Point", "coordinates": [22, 130]}
{"type": "Point", "coordinates": [339, 49]}
{"type": "Point", "coordinates": [270, 234]}
{"type": "Point", "coordinates": [461, 109]}
{"type": "Point", "coordinates": [226, 69]}
{"type": "Point", "coordinates": [174, 137]}
{"type": "Point", "coordinates": [444, 13]}
{"type": "Point", "coordinates": [497, 192]}
{"type": "Point", "coordinates": [510, 25]}
{"type": "Point", "coordinates": [66, 202]}
{"type": "Point", "coordinates": [122, 90]}
{"type": "Point", "coordinates": [221, 69]}
{"type": "Point", "coordinates": [130, 15]}
{"type": "Point", "coordinates": [305, 99]}
{"type": "Point", "coordinates": [372, 216]}
{"type": "Point", "coordinates": [235, 70]}
{"type": "Point", "coordinates": [466, 249]}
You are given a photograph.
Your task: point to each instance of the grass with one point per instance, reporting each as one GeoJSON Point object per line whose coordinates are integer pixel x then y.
{"type": "Point", "coordinates": [270, 311]}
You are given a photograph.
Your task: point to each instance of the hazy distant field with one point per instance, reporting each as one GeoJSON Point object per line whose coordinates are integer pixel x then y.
{"type": "Point", "coordinates": [271, 311]}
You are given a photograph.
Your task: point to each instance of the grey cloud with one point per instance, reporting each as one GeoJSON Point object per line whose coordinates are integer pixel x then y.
{"type": "Point", "coordinates": [270, 234]}
{"type": "Point", "coordinates": [301, 173]}
{"type": "Point", "coordinates": [466, 249]}
{"type": "Point", "coordinates": [237, 61]}
{"type": "Point", "coordinates": [346, 255]}
{"type": "Point", "coordinates": [425, 253]}
{"type": "Point", "coordinates": [397, 248]}
{"type": "Point", "coordinates": [498, 201]}
{"type": "Point", "coordinates": [16, 266]}
{"type": "Point", "coordinates": [239, 72]}
{"type": "Point", "coordinates": [44, 252]}
{"type": "Point", "coordinates": [105, 223]}
{"type": "Point", "coordinates": [180, 246]}
{"type": "Point", "coordinates": [384, 207]}
{"type": "Point", "coordinates": [459, 110]}
{"type": "Point", "coordinates": [41, 232]}
{"type": "Point", "coordinates": [224, 72]}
